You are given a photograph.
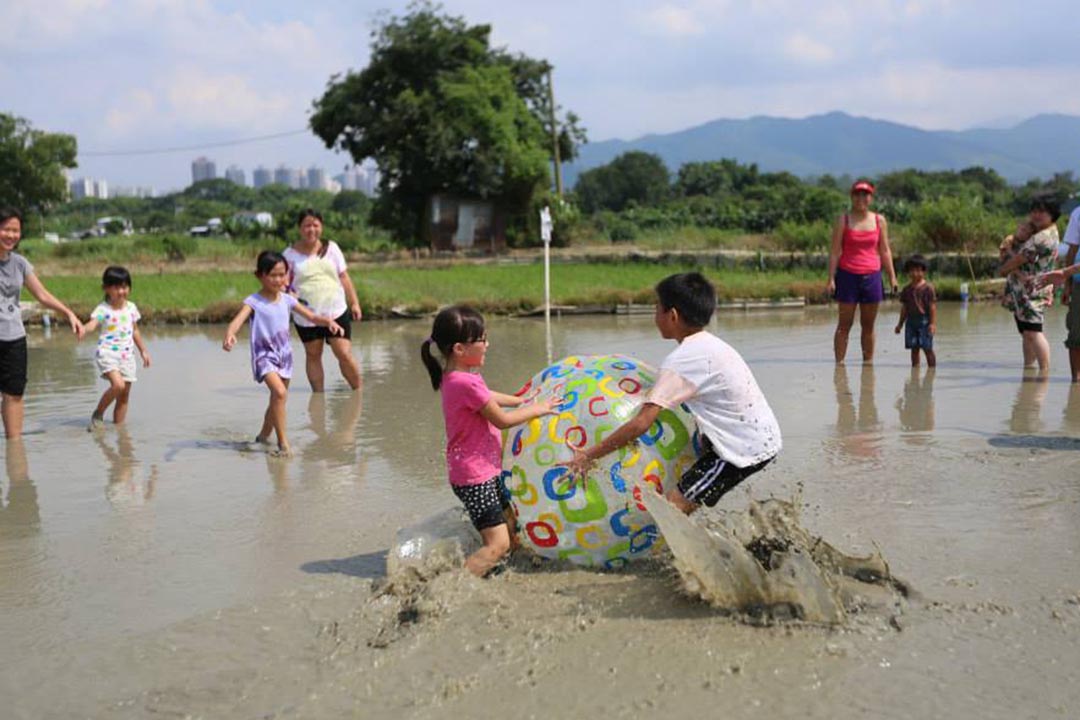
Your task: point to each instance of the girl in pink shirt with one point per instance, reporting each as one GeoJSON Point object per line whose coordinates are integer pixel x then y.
{"type": "Point", "coordinates": [474, 416]}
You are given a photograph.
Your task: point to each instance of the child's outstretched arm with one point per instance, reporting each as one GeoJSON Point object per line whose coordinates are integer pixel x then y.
{"type": "Point", "coordinates": [234, 327]}
{"type": "Point", "coordinates": [933, 317]}
{"type": "Point", "coordinates": [903, 317]}
{"type": "Point", "coordinates": [503, 419]}
{"type": "Point", "coordinates": [507, 400]}
{"type": "Point", "coordinates": [319, 320]}
{"type": "Point", "coordinates": [624, 435]}
{"type": "Point", "coordinates": [143, 352]}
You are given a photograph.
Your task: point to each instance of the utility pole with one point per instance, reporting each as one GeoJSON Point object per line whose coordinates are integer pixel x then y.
{"type": "Point", "coordinates": [554, 137]}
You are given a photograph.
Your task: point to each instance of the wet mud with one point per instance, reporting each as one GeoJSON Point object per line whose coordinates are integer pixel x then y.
{"type": "Point", "coordinates": [913, 553]}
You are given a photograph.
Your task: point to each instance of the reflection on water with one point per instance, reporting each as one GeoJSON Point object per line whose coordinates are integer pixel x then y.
{"type": "Point", "coordinates": [916, 405]}
{"type": "Point", "coordinates": [1026, 414]}
{"type": "Point", "coordinates": [1071, 415]}
{"type": "Point", "coordinates": [858, 428]}
{"type": "Point", "coordinates": [194, 517]}
{"type": "Point", "coordinates": [333, 420]}
{"type": "Point", "coordinates": [126, 486]}
{"type": "Point", "coordinates": [19, 512]}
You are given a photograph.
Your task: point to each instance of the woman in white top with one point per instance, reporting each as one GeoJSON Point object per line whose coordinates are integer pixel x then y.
{"type": "Point", "coordinates": [319, 279]}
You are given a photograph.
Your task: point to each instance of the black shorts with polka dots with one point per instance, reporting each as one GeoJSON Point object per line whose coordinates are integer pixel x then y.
{"type": "Point", "coordinates": [484, 502]}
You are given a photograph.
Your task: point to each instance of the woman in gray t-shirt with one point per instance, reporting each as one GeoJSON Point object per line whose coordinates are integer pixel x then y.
{"type": "Point", "coordinates": [16, 272]}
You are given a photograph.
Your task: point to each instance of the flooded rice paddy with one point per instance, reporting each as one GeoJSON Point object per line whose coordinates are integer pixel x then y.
{"type": "Point", "coordinates": [171, 568]}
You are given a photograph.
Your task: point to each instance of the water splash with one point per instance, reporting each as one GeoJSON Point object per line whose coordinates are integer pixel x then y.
{"type": "Point", "coordinates": [763, 563]}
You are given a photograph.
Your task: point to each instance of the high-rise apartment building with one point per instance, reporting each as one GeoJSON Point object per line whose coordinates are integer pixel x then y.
{"type": "Point", "coordinates": [316, 178]}
{"type": "Point", "coordinates": [261, 176]}
{"type": "Point", "coordinates": [203, 169]}
{"type": "Point", "coordinates": [235, 175]}
{"type": "Point", "coordinates": [88, 188]}
{"type": "Point", "coordinates": [287, 176]}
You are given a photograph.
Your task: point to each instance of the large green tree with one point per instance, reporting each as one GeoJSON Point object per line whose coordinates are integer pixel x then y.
{"type": "Point", "coordinates": [440, 110]}
{"type": "Point", "coordinates": [635, 176]}
{"type": "Point", "coordinates": [32, 164]}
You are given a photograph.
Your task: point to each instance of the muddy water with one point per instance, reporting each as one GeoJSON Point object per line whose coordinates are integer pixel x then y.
{"type": "Point", "coordinates": [171, 569]}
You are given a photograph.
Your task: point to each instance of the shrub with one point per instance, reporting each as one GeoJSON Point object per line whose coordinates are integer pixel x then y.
{"type": "Point", "coordinates": [803, 237]}
{"type": "Point", "coordinates": [950, 225]}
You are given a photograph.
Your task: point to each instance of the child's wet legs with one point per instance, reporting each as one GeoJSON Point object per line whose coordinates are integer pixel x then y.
{"type": "Point", "coordinates": [931, 358]}
{"type": "Point", "coordinates": [1074, 364]}
{"type": "Point", "coordinates": [496, 546]}
{"type": "Point", "coordinates": [915, 357]}
{"type": "Point", "coordinates": [676, 498]}
{"type": "Point", "coordinates": [275, 412]}
{"type": "Point", "coordinates": [112, 393]}
{"type": "Point", "coordinates": [121, 407]}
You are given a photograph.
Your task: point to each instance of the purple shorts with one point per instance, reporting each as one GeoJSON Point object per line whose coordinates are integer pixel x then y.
{"type": "Point", "coordinates": [858, 289]}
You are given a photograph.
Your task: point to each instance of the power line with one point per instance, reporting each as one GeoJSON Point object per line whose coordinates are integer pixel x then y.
{"type": "Point", "coordinates": [190, 148]}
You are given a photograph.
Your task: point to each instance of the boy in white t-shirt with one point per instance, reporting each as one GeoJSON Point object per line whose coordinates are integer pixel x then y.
{"type": "Point", "coordinates": [739, 432]}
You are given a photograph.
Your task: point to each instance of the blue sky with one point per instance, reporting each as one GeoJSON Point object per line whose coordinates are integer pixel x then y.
{"type": "Point", "coordinates": [147, 74]}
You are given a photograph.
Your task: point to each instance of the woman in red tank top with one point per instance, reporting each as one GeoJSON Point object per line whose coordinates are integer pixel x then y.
{"type": "Point", "coordinates": [860, 250]}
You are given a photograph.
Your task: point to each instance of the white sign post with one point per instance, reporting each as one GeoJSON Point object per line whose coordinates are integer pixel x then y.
{"type": "Point", "coordinates": [545, 235]}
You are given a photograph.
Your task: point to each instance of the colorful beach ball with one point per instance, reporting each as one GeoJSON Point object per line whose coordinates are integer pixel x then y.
{"type": "Point", "coordinates": [602, 522]}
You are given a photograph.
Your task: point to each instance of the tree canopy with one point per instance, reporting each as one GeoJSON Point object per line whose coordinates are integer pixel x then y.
{"type": "Point", "coordinates": [633, 177]}
{"type": "Point", "coordinates": [32, 164]}
{"type": "Point", "coordinates": [440, 110]}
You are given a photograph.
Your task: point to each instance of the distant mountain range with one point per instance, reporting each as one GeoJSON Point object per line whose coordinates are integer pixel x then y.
{"type": "Point", "coordinates": [838, 144]}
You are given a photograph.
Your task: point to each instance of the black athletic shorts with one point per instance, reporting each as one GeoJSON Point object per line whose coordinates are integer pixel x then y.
{"type": "Point", "coordinates": [13, 366]}
{"type": "Point", "coordinates": [711, 477]}
{"type": "Point", "coordinates": [1022, 327]}
{"type": "Point", "coordinates": [485, 502]}
{"type": "Point", "coordinates": [307, 334]}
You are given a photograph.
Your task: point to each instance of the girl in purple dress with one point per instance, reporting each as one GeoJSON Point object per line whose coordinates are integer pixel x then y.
{"type": "Point", "coordinates": [271, 353]}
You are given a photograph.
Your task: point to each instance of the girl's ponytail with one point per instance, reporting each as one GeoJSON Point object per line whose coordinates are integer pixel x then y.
{"type": "Point", "coordinates": [454, 324]}
{"type": "Point", "coordinates": [434, 367]}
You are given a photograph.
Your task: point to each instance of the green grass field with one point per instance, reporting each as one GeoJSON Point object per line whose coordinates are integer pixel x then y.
{"type": "Point", "coordinates": [213, 295]}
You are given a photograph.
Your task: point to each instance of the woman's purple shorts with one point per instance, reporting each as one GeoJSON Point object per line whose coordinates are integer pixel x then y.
{"type": "Point", "coordinates": [858, 289]}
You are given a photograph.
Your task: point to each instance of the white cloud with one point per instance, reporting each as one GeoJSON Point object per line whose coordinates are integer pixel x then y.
{"type": "Point", "coordinates": [675, 20]}
{"type": "Point", "coordinates": [199, 98]}
{"type": "Point", "coordinates": [134, 109]}
{"type": "Point", "coordinates": [802, 48]}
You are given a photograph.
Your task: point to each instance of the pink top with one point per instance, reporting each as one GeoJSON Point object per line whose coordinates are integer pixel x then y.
{"type": "Point", "coordinates": [859, 248]}
{"type": "Point", "coordinates": [473, 445]}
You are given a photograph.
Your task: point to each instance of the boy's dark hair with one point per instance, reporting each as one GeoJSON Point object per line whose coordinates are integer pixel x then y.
{"type": "Point", "coordinates": [455, 324]}
{"type": "Point", "coordinates": [689, 293]}
{"type": "Point", "coordinates": [6, 213]}
{"type": "Point", "coordinates": [1047, 203]}
{"type": "Point", "coordinates": [115, 276]}
{"type": "Point", "coordinates": [268, 260]}
{"type": "Point", "coordinates": [918, 261]}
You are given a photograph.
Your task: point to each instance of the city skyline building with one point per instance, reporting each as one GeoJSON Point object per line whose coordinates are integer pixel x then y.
{"type": "Point", "coordinates": [261, 176]}
{"type": "Point", "coordinates": [288, 176]}
{"type": "Point", "coordinates": [235, 175]}
{"type": "Point", "coordinates": [316, 178]}
{"type": "Point", "coordinates": [203, 168]}
{"type": "Point", "coordinates": [86, 187]}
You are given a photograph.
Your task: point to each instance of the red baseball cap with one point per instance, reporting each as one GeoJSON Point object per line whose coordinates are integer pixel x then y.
{"type": "Point", "coordinates": [862, 186]}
